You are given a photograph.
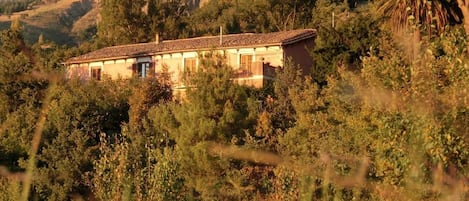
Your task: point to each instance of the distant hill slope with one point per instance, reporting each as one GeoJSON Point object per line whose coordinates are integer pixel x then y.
{"type": "Point", "coordinates": [59, 21]}
{"type": "Point", "coordinates": [62, 21]}
{"type": "Point", "coordinates": [87, 21]}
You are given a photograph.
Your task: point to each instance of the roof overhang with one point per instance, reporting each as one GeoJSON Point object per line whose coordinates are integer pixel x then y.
{"type": "Point", "coordinates": [281, 44]}
{"type": "Point", "coordinates": [169, 52]}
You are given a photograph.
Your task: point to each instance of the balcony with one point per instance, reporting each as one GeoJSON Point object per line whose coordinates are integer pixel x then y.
{"type": "Point", "coordinates": [257, 69]}
{"type": "Point", "coordinates": [256, 76]}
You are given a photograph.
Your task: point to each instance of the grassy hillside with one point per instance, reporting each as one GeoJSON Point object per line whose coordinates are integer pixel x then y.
{"type": "Point", "coordinates": [62, 21]}
{"type": "Point", "coordinates": [55, 20]}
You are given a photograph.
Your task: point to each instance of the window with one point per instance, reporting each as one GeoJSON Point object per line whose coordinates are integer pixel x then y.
{"type": "Point", "coordinates": [143, 69]}
{"type": "Point", "coordinates": [96, 73]}
{"type": "Point", "coordinates": [190, 65]}
{"type": "Point", "coordinates": [245, 62]}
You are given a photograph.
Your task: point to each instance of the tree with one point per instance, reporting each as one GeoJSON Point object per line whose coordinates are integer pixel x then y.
{"type": "Point", "coordinates": [418, 15]}
{"type": "Point", "coordinates": [78, 114]}
{"type": "Point", "coordinates": [16, 62]}
{"type": "Point", "coordinates": [214, 110]}
{"type": "Point", "coordinates": [209, 18]}
{"type": "Point", "coordinates": [288, 15]}
{"type": "Point", "coordinates": [146, 94]}
{"type": "Point", "coordinates": [122, 22]}
{"type": "Point", "coordinates": [464, 6]}
{"type": "Point", "coordinates": [16, 58]}
{"type": "Point", "coordinates": [252, 16]}
{"type": "Point", "coordinates": [21, 93]}
{"type": "Point", "coordinates": [344, 44]}
{"type": "Point", "coordinates": [168, 18]}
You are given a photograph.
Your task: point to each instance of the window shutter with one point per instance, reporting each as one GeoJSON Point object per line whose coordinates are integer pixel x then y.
{"type": "Point", "coordinates": [96, 73]}
{"type": "Point", "coordinates": [134, 69]}
{"type": "Point", "coordinates": [152, 69]}
{"type": "Point", "coordinates": [99, 73]}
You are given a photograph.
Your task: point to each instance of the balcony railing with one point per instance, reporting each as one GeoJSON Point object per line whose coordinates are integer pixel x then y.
{"type": "Point", "coordinates": [257, 68]}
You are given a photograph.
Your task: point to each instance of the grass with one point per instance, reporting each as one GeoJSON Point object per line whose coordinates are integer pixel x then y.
{"type": "Point", "coordinates": [84, 22]}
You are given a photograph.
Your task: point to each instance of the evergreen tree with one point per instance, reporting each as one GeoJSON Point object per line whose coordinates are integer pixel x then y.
{"type": "Point", "coordinates": [78, 114]}
{"type": "Point", "coordinates": [21, 93]}
{"type": "Point", "coordinates": [16, 62]}
{"type": "Point", "coordinates": [215, 110]}
{"type": "Point", "coordinates": [342, 42]}
{"type": "Point", "coordinates": [122, 22]}
{"type": "Point", "coordinates": [288, 15]}
{"type": "Point", "coordinates": [168, 18]}
{"type": "Point", "coordinates": [15, 58]}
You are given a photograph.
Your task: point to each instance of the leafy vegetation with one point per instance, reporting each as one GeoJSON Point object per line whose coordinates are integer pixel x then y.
{"type": "Point", "coordinates": [381, 117]}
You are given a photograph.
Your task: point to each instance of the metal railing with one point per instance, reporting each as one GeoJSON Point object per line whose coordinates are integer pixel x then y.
{"type": "Point", "coordinates": [257, 68]}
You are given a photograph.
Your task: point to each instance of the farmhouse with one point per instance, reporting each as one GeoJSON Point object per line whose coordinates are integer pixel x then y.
{"type": "Point", "coordinates": [254, 57]}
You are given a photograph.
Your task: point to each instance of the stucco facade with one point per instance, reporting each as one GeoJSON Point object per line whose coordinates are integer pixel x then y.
{"type": "Point", "coordinates": [253, 63]}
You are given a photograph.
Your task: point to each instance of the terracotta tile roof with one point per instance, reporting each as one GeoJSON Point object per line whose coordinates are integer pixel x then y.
{"type": "Point", "coordinates": [199, 43]}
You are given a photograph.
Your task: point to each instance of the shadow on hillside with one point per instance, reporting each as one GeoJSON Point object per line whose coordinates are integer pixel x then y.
{"type": "Point", "coordinates": [56, 24]}
{"type": "Point", "coordinates": [31, 34]}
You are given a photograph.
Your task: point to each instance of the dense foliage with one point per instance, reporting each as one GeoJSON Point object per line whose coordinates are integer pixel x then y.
{"type": "Point", "coordinates": [127, 21]}
{"type": "Point", "coordinates": [379, 118]}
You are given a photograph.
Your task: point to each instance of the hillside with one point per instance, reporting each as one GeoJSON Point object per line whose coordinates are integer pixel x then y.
{"type": "Point", "coordinates": [55, 20]}
{"type": "Point", "coordinates": [62, 21]}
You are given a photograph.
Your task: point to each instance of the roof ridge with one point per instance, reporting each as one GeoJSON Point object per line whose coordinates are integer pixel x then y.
{"type": "Point", "coordinates": [128, 45]}
{"type": "Point", "coordinates": [208, 37]}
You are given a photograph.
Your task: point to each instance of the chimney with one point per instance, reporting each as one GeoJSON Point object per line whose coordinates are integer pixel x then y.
{"type": "Point", "coordinates": [221, 35]}
{"type": "Point", "coordinates": [157, 38]}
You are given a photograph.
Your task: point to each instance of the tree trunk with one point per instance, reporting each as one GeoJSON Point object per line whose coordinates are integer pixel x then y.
{"type": "Point", "coordinates": [464, 6]}
{"type": "Point", "coordinates": [416, 44]}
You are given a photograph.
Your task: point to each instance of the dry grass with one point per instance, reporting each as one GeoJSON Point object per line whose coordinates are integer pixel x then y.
{"type": "Point", "coordinates": [40, 10]}
{"type": "Point", "coordinates": [84, 22]}
{"type": "Point", "coordinates": [56, 22]}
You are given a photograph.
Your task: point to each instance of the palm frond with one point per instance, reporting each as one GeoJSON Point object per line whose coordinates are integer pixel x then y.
{"type": "Point", "coordinates": [434, 14]}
